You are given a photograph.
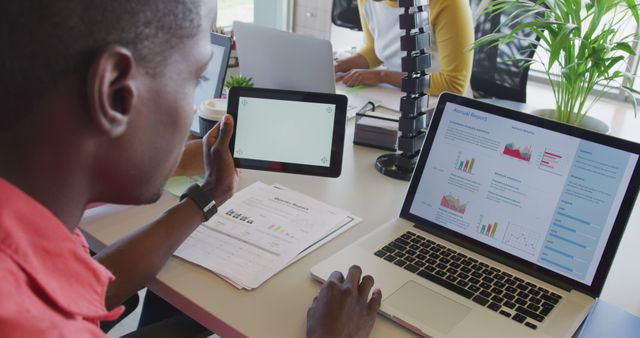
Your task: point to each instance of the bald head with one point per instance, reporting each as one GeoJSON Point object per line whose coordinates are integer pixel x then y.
{"type": "Point", "coordinates": [44, 42]}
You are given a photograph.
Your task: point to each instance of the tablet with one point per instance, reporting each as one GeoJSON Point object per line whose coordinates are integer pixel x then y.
{"type": "Point", "coordinates": [288, 131]}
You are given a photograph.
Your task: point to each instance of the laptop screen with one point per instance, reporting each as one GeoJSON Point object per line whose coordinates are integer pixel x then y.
{"type": "Point", "coordinates": [540, 195]}
{"type": "Point", "coordinates": [212, 81]}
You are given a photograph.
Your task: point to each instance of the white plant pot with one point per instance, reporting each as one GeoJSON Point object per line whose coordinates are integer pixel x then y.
{"type": "Point", "coordinates": [589, 122]}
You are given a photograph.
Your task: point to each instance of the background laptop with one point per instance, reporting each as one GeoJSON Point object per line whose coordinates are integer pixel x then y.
{"type": "Point", "coordinates": [212, 81]}
{"type": "Point", "coordinates": [508, 229]}
{"type": "Point", "coordinates": [282, 60]}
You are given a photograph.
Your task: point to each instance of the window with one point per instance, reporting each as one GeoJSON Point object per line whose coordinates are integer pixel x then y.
{"type": "Point", "coordinates": [234, 10]}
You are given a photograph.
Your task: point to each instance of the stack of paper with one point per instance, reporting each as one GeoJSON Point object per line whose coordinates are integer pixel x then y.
{"type": "Point", "coordinates": [260, 231]}
{"type": "Point", "coordinates": [377, 129]}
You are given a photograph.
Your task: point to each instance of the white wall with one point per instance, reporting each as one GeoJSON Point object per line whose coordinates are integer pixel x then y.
{"type": "Point", "coordinates": [344, 39]}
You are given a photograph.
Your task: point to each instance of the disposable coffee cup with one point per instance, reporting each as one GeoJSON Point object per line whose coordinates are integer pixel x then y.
{"type": "Point", "coordinates": [209, 113]}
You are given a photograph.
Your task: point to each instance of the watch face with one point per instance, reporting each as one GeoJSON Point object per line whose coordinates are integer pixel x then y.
{"type": "Point", "coordinates": [210, 210]}
{"type": "Point", "coordinates": [212, 204]}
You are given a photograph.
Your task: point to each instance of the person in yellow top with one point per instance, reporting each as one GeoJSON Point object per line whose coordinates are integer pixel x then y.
{"type": "Point", "coordinates": [451, 27]}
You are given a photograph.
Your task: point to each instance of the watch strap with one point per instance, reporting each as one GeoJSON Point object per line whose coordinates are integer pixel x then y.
{"type": "Point", "coordinates": [201, 199]}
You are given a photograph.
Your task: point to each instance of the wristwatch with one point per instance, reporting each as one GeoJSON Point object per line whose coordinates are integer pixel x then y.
{"type": "Point", "coordinates": [202, 200]}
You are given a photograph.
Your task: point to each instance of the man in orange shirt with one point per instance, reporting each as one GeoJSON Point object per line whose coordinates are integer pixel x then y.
{"type": "Point", "coordinates": [96, 102]}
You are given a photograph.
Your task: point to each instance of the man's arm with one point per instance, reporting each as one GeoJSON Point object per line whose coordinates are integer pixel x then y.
{"type": "Point", "coordinates": [137, 258]}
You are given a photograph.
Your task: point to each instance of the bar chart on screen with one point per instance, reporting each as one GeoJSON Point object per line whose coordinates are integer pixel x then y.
{"type": "Point", "coordinates": [463, 164]}
{"type": "Point", "coordinates": [488, 229]}
{"type": "Point", "coordinates": [554, 162]}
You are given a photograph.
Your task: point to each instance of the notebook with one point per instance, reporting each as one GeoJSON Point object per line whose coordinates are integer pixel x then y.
{"type": "Point", "coordinates": [508, 228]}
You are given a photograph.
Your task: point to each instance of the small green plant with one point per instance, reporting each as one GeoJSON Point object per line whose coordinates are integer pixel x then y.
{"type": "Point", "coordinates": [220, 30]}
{"type": "Point", "coordinates": [238, 81]}
{"type": "Point", "coordinates": [585, 42]}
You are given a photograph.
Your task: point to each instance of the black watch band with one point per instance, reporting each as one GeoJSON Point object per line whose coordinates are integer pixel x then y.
{"type": "Point", "coordinates": [202, 200]}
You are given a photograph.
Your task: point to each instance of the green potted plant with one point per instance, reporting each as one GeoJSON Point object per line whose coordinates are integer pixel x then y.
{"type": "Point", "coordinates": [238, 81]}
{"type": "Point", "coordinates": [585, 44]}
{"type": "Point", "coordinates": [219, 30]}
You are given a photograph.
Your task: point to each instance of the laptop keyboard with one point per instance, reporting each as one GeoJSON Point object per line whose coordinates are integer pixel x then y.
{"type": "Point", "coordinates": [497, 290]}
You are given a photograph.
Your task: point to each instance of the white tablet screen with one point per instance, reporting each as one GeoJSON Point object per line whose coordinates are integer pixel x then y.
{"type": "Point", "coordinates": [284, 131]}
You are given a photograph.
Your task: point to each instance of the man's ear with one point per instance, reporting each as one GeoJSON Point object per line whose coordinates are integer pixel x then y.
{"type": "Point", "coordinates": [110, 89]}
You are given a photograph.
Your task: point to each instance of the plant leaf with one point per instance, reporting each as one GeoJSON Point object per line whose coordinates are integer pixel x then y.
{"type": "Point", "coordinates": [625, 47]}
{"type": "Point", "coordinates": [633, 7]}
{"type": "Point", "coordinates": [560, 44]}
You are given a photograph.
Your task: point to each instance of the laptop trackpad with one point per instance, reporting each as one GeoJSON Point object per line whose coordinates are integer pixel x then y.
{"type": "Point", "coordinates": [417, 304]}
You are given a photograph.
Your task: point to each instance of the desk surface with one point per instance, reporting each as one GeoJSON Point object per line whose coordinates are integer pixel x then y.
{"type": "Point", "coordinates": [278, 307]}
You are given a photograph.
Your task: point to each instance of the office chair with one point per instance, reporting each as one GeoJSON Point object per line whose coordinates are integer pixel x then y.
{"type": "Point", "coordinates": [344, 13]}
{"type": "Point", "coordinates": [493, 75]}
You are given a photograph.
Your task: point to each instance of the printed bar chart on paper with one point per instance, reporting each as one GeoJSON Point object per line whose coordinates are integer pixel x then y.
{"type": "Point", "coordinates": [453, 203]}
{"type": "Point", "coordinates": [521, 153]}
{"type": "Point", "coordinates": [277, 229]}
{"type": "Point", "coordinates": [464, 165]}
{"type": "Point", "coordinates": [260, 231]}
{"type": "Point", "coordinates": [239, 216]}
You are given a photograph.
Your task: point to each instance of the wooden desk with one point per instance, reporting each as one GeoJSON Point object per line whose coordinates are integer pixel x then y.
{"type": "Point", "coordinates": [278, 308]}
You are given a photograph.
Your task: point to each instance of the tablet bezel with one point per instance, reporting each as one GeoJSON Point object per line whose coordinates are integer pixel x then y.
{"type": "Point", "coordinates": [337, 142]}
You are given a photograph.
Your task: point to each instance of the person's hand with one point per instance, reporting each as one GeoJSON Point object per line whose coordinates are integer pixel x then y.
{"type": "Point", "coordinates": [343, 308]}
{"type": "Point", "coordinates": [342, 66]}
{"type": "Point", "coordinates": [221, 176]}
{"type": "Point", "coordinates": [357, 77]}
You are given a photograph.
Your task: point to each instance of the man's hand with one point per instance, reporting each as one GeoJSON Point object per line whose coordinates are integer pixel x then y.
{"type": "Point", "coordinates": [221, 176]}
{"type": "Point", "coordinates": [343, 309]}
{"type": "Point", "coordinates": [357, 77]}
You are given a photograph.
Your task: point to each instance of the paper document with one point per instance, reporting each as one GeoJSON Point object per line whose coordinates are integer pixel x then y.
{"type": "Point", "coordinates": [176, 185]}
{"type": "Point", "coordinates": [381, 95]}
{"type": "Point", "coordinates": [260, 231]}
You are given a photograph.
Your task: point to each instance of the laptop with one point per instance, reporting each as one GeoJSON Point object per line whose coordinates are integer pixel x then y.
{"type": "Point", "coordinates": [212, 81]}
{"type": "Point", "coordinates": [277, 59]}
{"type": "Point", "coordinates": [508, 228]}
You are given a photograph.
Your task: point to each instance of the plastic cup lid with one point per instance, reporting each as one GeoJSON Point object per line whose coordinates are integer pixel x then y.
{"type": "Point", "coordinates": [213, 109]}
